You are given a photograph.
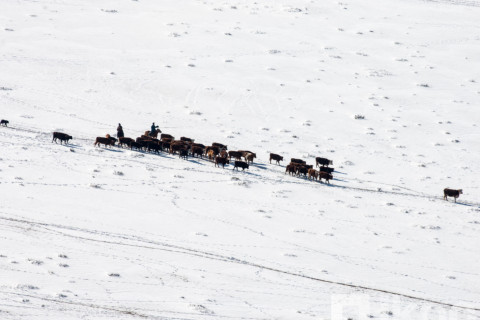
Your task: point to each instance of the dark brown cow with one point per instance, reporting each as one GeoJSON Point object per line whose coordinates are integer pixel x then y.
{"type": "Point", "coordinates": [125, 141]}
{"type": "Point", "coordinates": [275, 157]}
{"type": "Point", "coordinates": [219, 145]}
{"type": "Point", "coordinates": [452, 193]}
{"type": "Point", "coordinates": [221, 161]}
{"type": "Point", "coordinates": [312, 174]}
{"type": "Point", "coordinates": [326, 176]}
{"type": "Point", "coordinates": [174, 147]}
{"type": "Point", "coordinates": [4, 123]}
{"type": "Point", "coordinates": [61, 136]}
{"type": "Point", "coordinates": [323, 161]}
{"type": "Point", "coordinates": [291, 169]}
{"type": "Point", "coordinates": [299, 161]}
{"type": "Point", "coordinates": [164, 135]}
{"type": "Point", "coordinates": [240, 164]}
{"type": "Point", "coordinates": [235, 154]}
{"type": "Point", "coordinates": [105, 141]}
{"type": "Point", "coordinates": [249, 157]}
{"type": "Point", "coordinates": [197, 151]}
{"type": "Point", "coordinates": [198, 145]}
{"type": "Point", "coordinates": [135, 145]}
{"type": "Point", "coordinates": [245, 152]}
{"type": "Point", "coordinates": [187, 139]}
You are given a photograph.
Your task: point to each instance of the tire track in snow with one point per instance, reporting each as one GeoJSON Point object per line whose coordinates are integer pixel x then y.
{"type": "Point", "coordinates": [155, 245]}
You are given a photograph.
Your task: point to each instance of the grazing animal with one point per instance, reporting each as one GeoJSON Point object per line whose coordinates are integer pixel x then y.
{"type": "Point", "coordinates": [275, 157]}
{"type": "Point", "coordinates": [124, 141]}
{"type": "Point", "coordinates": [63, 137]}
{"type": "Point", "coordinates": [219, 145]}
{"type": "Point", "coordinates": [298, 161]}
{"type": "Point", "coordinates": [105, 141]}
{"type": "Point", "coordinates": [326, 176]}
{"type": "Point", "coordinates": [4, 123]}
{"type": "Point", "coordinates": [154, 134]}
{"type": "Point", "coordinates": [323, 161]}
{"type": "Point", "coordinates": [452, 193]}
{"type": "Point", "coordinates": [240, 164]}
{"type": "Point", "coordinates": [312, 174]}
{"type": "Point", "coordinates": [327, 169]}
{"type": "Point", "coordinates": [183, 154]}
{"type": "Point", "coordinates": [236, 154]}
{"type": "Point", "coordinates": [221, 161]}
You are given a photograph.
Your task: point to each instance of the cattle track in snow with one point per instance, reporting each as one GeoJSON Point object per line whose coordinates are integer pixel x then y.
{"type": "Point", "coordinates": [304, 181]}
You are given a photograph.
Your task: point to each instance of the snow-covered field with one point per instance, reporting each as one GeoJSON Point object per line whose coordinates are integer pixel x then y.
{"type": "Point", "coordinates": [96, 233]}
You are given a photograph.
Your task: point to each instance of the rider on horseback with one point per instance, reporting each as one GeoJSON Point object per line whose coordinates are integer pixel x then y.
{"type": "Point", "coordinates": [153, 129]}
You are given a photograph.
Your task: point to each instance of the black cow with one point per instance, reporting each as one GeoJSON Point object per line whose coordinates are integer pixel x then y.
{"type": "Point", "coordinates": [135, 145]}
{"type": "Point", "coordinates": [326, 169]}
{"type": "Point", "coordinates": [124, 141]}
{"type": "Point", "coordinates": [154, 146]}
{"type": "Point", "coordinates": [221, 161]}
{"type": "Point", "coordinates": [325, 175]}
{"type": "Point", "coordinates": [105, 141]}
{"type": "Point", "coordinates": [275, 157]}
{"type": "Point", "coordinates": [323, 161]}
{"type": "Point", "coordinates": [240, 164]}
{"type": "Point", "coordinates": [4, 123]}
{"type": "Point", "coordinates": [302, 170]}
{"type": "Point", "coordinates": [183, 154]}
{"type": "Point", "coordinates": [61, 136]}
{"type": "Point", "coordinates": [451, 193]}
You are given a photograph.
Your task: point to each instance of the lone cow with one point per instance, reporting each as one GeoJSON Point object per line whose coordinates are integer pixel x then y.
{"type": "Point", "coordinates": [275, 157]}
{"type": "Point", "coordinates": [63, 137]}
{"type": "Point", "coordinates": [451, 193]}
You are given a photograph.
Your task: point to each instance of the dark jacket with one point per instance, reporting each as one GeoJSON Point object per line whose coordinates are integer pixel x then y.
{"type": "Point", "coordinates": [119, 132]}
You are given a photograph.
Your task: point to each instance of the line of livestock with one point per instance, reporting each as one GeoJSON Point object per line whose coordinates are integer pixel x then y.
{"type": "Point", "coordinates": [217, 152]}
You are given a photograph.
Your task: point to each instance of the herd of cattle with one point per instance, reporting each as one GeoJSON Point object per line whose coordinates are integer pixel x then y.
{"type": "Point", "coordinates": [217, 153]}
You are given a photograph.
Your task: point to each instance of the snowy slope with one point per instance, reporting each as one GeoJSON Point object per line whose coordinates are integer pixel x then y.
{"type": "Point", "coordinates": [101, 233]}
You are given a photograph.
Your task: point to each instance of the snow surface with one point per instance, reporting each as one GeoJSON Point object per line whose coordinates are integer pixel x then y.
{"type": "Point", "coordinates": [97, 233]}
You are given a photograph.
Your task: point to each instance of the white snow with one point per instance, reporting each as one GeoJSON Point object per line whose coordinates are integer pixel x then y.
{"type": "Point", "coordinates": [389, 90]}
